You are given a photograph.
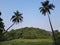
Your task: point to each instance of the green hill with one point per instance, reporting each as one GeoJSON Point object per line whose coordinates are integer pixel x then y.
{"type": "Point", "coordinates": [27, 33]}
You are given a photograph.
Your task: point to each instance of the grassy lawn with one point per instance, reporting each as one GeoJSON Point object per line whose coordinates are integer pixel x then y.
{"type": "Point", "coordinates": [28, 42]}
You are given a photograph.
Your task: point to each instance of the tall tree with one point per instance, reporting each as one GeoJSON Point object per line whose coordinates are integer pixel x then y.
{"type": "Point", "coordinates": [1, 28]}
{"type": "Point", "coordinates": [45, 9]}
{"type": "Point", "coordinates": [16, 18]}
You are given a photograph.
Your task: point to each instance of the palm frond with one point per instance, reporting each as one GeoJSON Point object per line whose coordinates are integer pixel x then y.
{"type": "Point", "coordinates": [46, 2]}
{"type": "Point", "coordinates": [13, 17]}
{"type": "Point", "coordinates": [51, 6]}
{"type": "Point", "coordinates": [42, 4]}
{"type": "Point", "coordinates": [49, 11]}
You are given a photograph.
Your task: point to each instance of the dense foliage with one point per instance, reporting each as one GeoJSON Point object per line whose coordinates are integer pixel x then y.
{"type": "Point", "coordinates": [57, 36]}
{"type": "Point", "coordinates": [1, 28]}
{"type": "Point", "coordinates": [27, 33]}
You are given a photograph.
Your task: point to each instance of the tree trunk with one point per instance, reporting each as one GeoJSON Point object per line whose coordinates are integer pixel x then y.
{"type": "Point", "coordinates": [10, 27]}
{"type": "Point", "coordinates": [53, 35]}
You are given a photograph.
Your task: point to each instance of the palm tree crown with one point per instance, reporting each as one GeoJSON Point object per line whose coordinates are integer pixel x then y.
{"type": "Point", "coordinates": [46, 7]}
{"type": "Point", "coordinates": [17, 17]}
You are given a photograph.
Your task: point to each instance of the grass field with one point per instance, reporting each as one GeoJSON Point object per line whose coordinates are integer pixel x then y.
{"type": "Point", "coordinates": [28, 42]}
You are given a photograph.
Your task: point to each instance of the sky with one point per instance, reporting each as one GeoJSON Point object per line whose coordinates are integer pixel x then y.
{"type": "Point", "coordinates": [31, 15]}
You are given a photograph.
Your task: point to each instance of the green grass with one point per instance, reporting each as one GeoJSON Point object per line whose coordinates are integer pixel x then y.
{"type": "Point", "coordinates": [28, 42]}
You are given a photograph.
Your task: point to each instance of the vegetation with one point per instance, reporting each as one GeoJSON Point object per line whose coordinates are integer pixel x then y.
{"type": "Point", "coordinates": [1, 28]}
{"type": "Point", "coordinates": [28, 33]}
{"type": "Point", "coordinates": [57, 34]}
{"type": "Point", "coordinates": [46, 7]}
{"type": "Point", "coordinates": [28, 42]}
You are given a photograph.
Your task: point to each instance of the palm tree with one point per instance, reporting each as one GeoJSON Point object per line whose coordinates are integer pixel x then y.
{"type": "Point", "coordinates": [45, 9]}
{"type": "Point", "coordinates": [16, 18]}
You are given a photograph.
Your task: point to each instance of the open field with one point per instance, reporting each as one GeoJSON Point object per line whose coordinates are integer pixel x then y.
{"type": "Point", "coordinates": [28, 42]}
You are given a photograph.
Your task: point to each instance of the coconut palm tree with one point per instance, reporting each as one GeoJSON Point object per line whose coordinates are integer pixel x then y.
{"type": "Point", "coordinates": [16, 18]}
{"type": "Point", "coordinates": [45, 9]}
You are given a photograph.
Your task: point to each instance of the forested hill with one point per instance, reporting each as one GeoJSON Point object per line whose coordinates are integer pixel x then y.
{"type": "Point", "coordinates": [27, 33]}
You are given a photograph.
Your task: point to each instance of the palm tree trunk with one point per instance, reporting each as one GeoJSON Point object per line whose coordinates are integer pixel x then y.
{"type": "Point", "coordinates": [53, 35]}
{"type": "Point", "coordinates": [10, 27]}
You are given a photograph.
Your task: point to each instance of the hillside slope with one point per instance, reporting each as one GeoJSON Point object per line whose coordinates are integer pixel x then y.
{"type": "Point", "coordinates": [28, 33]}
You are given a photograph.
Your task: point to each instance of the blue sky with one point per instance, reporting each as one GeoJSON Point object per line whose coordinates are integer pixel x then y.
{"type": "Point", "coordinates": [31, 14]}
